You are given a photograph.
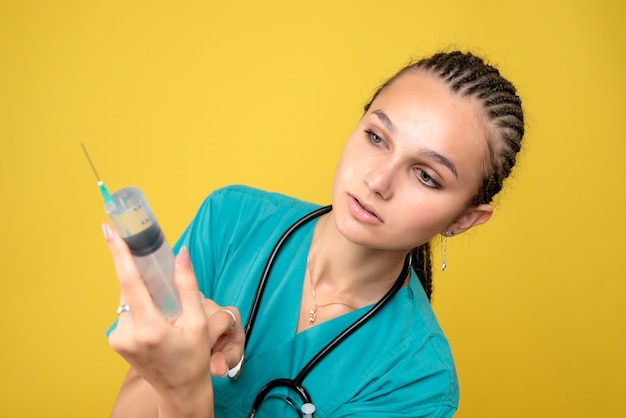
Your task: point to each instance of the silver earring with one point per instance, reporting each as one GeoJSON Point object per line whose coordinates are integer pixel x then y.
{"type": "Point", "coordinates": [444, 249]}
{"type": "Point", "coordinates": [443, 244]}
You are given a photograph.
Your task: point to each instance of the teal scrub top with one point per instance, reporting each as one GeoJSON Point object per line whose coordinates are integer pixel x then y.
{"type": "Point", "coordinates": [398, 364]}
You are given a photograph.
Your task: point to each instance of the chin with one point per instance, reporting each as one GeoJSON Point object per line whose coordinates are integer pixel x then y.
{"type": "Point", "coordinates": [355, 232]}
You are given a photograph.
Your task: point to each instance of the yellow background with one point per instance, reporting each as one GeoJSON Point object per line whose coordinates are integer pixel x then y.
{"type": "Point", "coordinates": [180, 98]}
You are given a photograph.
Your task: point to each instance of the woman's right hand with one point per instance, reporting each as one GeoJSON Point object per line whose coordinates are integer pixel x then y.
{"type": "Point", "coordinates": [173, 356]}
{"type": "Point", "coordinates": [137, 398]}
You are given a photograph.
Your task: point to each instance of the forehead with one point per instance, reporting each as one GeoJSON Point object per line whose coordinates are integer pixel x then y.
{"type": "Point", "coordinates": [423, 96]}
{"type": "Point", "coordinates": [424, 110]}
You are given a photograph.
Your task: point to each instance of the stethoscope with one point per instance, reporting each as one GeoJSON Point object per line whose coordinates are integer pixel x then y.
{"type": "Point", "coordinates": [295, 384]}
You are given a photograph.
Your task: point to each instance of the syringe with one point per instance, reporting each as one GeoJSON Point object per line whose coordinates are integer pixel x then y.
{"type": "Point", "coordinates": [135, 222]}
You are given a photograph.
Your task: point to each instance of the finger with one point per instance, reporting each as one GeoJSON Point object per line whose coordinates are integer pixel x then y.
{"type": "Point", "coordinates": [219, 364]}
{"type": "Point", "coordinates": [225, 325]}
{"type": "Point", "coordinates": [223, 320]}
{"type": "Point", "coordinates": [122, 337]}
{"type": "Point", "coordinates": [210, 307]}
{"type": "Point", "coordinates": [132, 288]}
{"type": "Point", "coordinates": [188, 291]}
{"type": "Point", "coordinates": [226, 358]}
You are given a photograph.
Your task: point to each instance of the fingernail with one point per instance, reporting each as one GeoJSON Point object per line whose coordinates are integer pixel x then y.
{"type": "Point", "coordinates": [106, 230]}
{"type": "Point", "coordinates": [183, 257]}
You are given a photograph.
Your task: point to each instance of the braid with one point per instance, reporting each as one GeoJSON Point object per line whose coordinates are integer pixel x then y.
{"type": "Point", "coordinates": [421, 261]}
{"type": "Point", "coordinates": [469, 76]}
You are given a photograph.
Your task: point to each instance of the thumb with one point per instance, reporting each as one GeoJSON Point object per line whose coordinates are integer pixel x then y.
{"type": "Point", "coordinates": [187, 286]}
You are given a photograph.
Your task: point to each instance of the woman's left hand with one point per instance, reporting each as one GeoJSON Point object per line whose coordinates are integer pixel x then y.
{"type": "Point", "coordinates": [227, 350]}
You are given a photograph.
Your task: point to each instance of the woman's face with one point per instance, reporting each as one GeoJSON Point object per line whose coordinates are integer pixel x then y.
{"type": "Point", "coordinates": [411, 165]}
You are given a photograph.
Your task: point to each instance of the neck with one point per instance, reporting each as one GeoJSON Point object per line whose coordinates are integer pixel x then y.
{"type": "Point", "coordinates": [359, 276]}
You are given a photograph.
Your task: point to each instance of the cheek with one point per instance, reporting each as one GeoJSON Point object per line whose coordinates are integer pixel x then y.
{"type": "Point", "coordinates": [429, 214]}
{"type": "Point", "coordinates": [340, 175]}
{"type": "Point", "coordinates": [347, 161]}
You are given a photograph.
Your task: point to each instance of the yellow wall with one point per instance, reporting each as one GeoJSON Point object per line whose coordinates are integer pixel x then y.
{"type": "Point", "coordinates": [182, 97]}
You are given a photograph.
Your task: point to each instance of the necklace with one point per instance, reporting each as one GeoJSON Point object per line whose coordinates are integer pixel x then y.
{"type": "Point", "coordinates": [313, 312]}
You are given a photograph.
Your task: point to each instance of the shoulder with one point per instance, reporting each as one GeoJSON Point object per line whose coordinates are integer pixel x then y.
{"type": "Point", "coordinates": [414, 361]}
{"type": "Point", "coordinates": [249, 197]}
{"type": "Point", "coordinates": [425, 339]}
{"type": "Point", "coordinates": [407, 370]}
{"type": "Point", "coordinates": [243, 208]}
{"type": "Point", "coordinates": [424, 322]}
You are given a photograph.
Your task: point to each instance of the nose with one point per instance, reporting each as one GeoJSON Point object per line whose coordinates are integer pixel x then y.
{"type": "Point", "coordinates": [380, 178]}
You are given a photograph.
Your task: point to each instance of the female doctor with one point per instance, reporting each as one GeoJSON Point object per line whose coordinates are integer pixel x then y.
{"type": "Point", "coordinates": [313, 311]}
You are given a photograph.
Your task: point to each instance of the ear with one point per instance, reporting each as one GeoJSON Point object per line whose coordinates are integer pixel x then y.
{"type": "Point", "coordinates": [473, 216]}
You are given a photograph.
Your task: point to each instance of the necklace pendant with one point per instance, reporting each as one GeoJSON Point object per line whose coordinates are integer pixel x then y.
{"type": "Point", "coordinates": [312, 313]}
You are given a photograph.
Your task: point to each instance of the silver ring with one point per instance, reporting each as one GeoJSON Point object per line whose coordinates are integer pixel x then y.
{"type": "Point", "coordinates": [232, 315]}
{"type": "Point", "coordinates": [123, 308]}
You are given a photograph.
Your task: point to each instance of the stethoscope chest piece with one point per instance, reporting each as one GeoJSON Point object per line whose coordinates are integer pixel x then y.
{"type": "Point", "coordinates": [307, 410]}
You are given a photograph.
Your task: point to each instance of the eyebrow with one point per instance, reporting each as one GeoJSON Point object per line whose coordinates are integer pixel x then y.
{"type": "Point", "coordinates": [384, 119]}
{"type": "Point", "coordinates": [440, 159]}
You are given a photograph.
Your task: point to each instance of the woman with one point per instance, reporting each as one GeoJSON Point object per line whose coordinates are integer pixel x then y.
{"type": "Point", "coordinates": [429, 154]}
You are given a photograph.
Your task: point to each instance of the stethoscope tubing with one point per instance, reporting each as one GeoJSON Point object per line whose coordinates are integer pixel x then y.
{"type": "Point", "coordinates": [270, 263]}
{"type": "Point", "coordinates": [296, 383]}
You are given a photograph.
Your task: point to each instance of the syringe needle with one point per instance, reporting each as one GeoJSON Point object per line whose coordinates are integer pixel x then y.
{"type": "Point", "coordinates": [93, 167]}
{"type": "Point", "coordinates": [108, 199]}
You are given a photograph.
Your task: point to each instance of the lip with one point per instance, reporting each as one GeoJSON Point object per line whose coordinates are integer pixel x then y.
{"type": "Point", "coordinates": [363, 212]}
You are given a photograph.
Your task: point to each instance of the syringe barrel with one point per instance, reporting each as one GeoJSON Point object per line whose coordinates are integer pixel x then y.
{"type": "Point", "coordinates": [135, 222]}
{"type": "Point", "coordinates": [157, 270]}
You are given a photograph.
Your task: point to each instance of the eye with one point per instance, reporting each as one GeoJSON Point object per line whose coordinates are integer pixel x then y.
{"type": "Point", "coordinates": [425, 178]}
{"type": "Point", "coordinates": [374, 139]}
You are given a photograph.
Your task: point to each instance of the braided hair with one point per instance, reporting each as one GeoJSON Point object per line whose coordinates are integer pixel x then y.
{"type": "Point", "coordinates": [469, 76]}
